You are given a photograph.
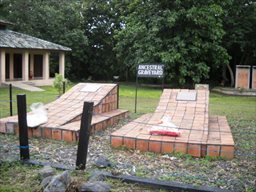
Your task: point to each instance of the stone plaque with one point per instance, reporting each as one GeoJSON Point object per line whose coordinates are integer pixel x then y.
{"type": "Point", "coordinates": [90, 88]}
{"type": "Point", "coordinates": [186, 96]}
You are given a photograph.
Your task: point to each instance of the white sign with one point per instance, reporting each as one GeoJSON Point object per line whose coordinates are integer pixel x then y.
{"type": "Point", "coordinates": [150, 70]}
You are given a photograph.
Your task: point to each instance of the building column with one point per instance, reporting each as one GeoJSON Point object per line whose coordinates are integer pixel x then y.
{"type": "Point", "coordinates": [25, 64]}
{"type": "Point", "coordinates": [11, 75]}
{"type": "Point", "coordinates": [46, 66]}
{"type": "Point", "coordinates": [62, 63]}
{"type": "Point", "coordinates": [2, 66]}
{"type": "Point", "coordinates": [31, 67]}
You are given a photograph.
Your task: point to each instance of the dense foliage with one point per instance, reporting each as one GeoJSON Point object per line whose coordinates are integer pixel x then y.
{"type": "Point", "coordinates": [185, 35]}
{"type": "Point", "coordinates": [240, 39]}
{"type": "Point", "coordinates": [196, 39]}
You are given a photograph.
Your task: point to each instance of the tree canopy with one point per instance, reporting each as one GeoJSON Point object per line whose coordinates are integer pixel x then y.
{"type": "Point", "coordinates": [196, 39]}
{"type": "Point", "coordinates": [185, 35]}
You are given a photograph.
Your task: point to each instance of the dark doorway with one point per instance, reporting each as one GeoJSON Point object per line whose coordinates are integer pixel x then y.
{"type": "Point", "coordinates": [7, 66]}
{"type": "Point", "coordinates": [38, 66]}
{"type": "Point", "coordinates": [17, 66]}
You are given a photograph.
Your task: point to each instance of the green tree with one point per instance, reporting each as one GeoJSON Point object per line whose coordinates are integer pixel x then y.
{"type": "Point", "coordinates": [240, 39]}
{"type": "Point", "coordinates": [99, 25]}
{"type": "Point", "coordinates": [50, 21]}
{"type": "Point", "coordinates": [85, 26]}
{"type": "Point", "coordinates": [59, 82]}
{"type": "Point", "coordinates": [185, 35]}
{"type": "Point", "coordinates": [196, 39]}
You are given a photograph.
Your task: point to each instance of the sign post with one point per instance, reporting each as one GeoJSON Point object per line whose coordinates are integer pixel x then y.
{"type": "Point", "coordinates": [148, 71]}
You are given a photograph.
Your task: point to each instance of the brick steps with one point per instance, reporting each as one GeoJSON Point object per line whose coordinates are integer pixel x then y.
{"type": "Point", "coordinates": [69, 107]}
{"type": "Point", "coordinates": [99, 121]}
{"type": "Point", "coordinates": [135, 135]}
{"type": "Point", "coordinates": [201, 135]}
{"type": "Point", "coordinates": [70, 132]}
{"type": "Point", "coordinates": [64, 114]}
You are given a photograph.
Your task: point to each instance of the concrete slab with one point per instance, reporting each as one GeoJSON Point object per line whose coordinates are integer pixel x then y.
{"type": "Point", "coordinates": [90, 88]}
{"type": "Point", "coordinates": [24, 86]}
{"type": "Point", "coordinates": [186, 96]}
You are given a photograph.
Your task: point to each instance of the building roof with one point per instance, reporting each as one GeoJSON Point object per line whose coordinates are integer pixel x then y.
{"type": "Point", "coordinates": [12, 39]}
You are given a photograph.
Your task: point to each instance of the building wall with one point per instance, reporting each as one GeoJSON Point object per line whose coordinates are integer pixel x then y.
{"type": "Point", "coordinates": [26, 65]}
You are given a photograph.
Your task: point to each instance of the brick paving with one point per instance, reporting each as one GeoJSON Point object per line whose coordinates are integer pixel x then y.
{"type": "Point", "coordinates": [201, 135]}
{"type": "Point", "coordinates": [64, 114]}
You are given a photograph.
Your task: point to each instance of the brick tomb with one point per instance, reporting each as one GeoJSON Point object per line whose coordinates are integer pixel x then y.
{"type": "Point", "coordinates": [64, 114]}
{"type": "Point", "coordinates": [188, 110]}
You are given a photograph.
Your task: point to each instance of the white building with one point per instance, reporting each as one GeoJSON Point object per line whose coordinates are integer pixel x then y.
{"type": "Point", "coordinates": [25, 58]}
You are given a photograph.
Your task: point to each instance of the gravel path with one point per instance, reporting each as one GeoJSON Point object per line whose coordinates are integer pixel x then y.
{"type": "Point", "coordinates": [238, 174]}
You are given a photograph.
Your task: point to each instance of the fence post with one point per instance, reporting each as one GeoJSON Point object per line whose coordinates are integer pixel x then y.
{"type": "Point", "coordinates": [23, 128]}
{"type": "Point", "coordinates": [115, 80]}
{"type": "Point", "coordinates": [84, 135]}
{"type": "Point", "coordinates": [10, 98]}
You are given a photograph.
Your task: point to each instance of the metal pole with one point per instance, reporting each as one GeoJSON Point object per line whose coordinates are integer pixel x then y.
{"type": "Point", "coordinates": [163, 83]}
{"type": "Point", "coordinates": [23, 128]}
{"type": "Point", "coordinates": [136, 94]}
{"type": "Point", "coordinates": [84, 135]}
{"type": "Point", "coordinates": [117, 95]}
{"type": "Point", "coordinates": [163, 78]}
{"type": "Point", "coordinates": [10, 96]}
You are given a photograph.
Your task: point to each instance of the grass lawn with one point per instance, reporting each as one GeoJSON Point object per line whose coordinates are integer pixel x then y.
{"type": "Point", "coordinates": [147, 99]}
{"type": "Point", "coordinates": [234, 107]}
{"type": "Point", "coordinates": [231, 106]}
{"type": "Point", "coordinates": [240, 112]}
{"type": "Point", "coordinates": [50, 94]}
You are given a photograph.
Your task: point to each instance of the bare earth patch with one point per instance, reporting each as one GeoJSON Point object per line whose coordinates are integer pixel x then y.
{"type": "Point", "coordinates": [238, 174]}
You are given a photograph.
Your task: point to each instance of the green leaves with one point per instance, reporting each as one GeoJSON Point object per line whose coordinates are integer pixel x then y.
{"type": "Point", "coordinates": [194, 38]}
{"type": "Point", "coordinates": [59, 81]}
{"type": "Point", "coordinates": [186, 36]}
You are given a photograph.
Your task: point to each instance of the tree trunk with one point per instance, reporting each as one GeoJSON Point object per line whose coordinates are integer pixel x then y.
{"type": "Point", "coordinates": [224, 75]}
{"type": "Point", "coordinates": [126, 74]}
{"type": "Point", "coordinates": [232, 79]}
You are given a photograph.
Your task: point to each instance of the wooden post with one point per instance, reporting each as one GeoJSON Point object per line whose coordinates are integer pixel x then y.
{"type": "Point", "coordinates": [84, 135]}
{"type": "Point", "coordinates": [23, 128]}
{"type": "Point", "coordinates": [136, 95]}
